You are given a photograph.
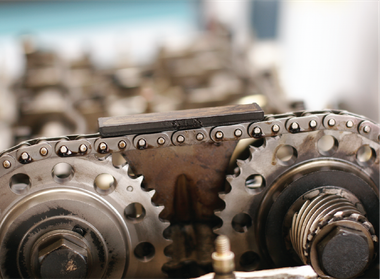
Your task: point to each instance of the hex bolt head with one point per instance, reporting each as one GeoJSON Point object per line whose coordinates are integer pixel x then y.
{"type": "Point", "coordinates": [313, 124]}
{"type": "Point", "coordinates": [7, 164]}
{"type": "Point", "coordinates": [219, 135]}
{"type": "Point", "coordinates": [200, 136]}
{"type": "Point", "coordinates": [63, 259]}
{"type": "Point", "coordinates": [44, 151]}
{"type": "Point", "coordinates": [343, 253]}
{"type": "Point", "coordinates": [161, 141]}
{"type": "Point", "coordinates": [331, 122]}
{"type": "Point", "coordinates": [122, 144]}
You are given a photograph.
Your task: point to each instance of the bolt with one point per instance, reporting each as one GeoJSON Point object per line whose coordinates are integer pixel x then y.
{"type": "Point", "coordinates": [63, 149]}
{"type": "Point", "coordinates": [24, 156]}
{"type": "Point", "coordinates": [180, 139]}
{"type": "Point", "coordinates": [219, 135]}
{"type": "Point", "coordinates": [43, 151]}
{"type": "Point", "coordinates": [122, 144]}
{"type": "Point", "coordinates": [141, 143]}
{"type": "Point", "coordinates": [83, 148]}
{"type": "Point", "coordinates": [275, 128]}
{"type": "Point", "coordinates": [161, 141]}
{"type": "Point", "coordinates": [331, 122]}
{"type": "Point", "coordinates": [223, 258]}
{"type": "Point", "coordinates": [367, 129]}
{"type": "Point", "coordinates": [63, 259]}
{"type": "Point", "coordinates": [313, 124]}
{"type": "Point", "coordinates": [238, 133]}
{"type": "Point", "coordinates": [7, 164]}
{"type": "Point", "coordinates": [103, 146]}
{"type": "Point", "coordinates": [343, 253]}
{"type": "Point", "coordinates": [256, 132]}
{"type": "Point", "coordinates": [200, 136]}
{"type": "Point", "coordinates": [349, 124]}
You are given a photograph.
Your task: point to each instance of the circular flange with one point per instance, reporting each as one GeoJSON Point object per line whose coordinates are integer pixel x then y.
{"type": "Point", "coordinates": [70, 202]}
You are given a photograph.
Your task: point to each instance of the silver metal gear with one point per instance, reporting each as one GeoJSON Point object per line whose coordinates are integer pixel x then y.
{"type": "Point", "coordinates": [86, 205]}
{"type": "Point", "coordinates": [281, 170]}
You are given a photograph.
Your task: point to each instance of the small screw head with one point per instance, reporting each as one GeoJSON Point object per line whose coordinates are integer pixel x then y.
{"type": "Point", "coordinates": [313, 124]}
{"type": "Point", "coordinates": [122, 144]}
{"type": "Point", "coordinates": [141, 143]}
{"type": "Point", "coordinates": [24, 156]}
{"type": "Point", "coordinates": [367, 129]}
{"type": "Point", "coordinates": [83, 148]}
{"type": "Point", "coordinates": [275, 128]}
{"type": "Point", "coordinates": [219, 135]}
{"type": "Point", "coordinates": [256, 132]}
{"type": "Point", "coordinates": [331, 122]}
{"type": "Point", "coordinates": [43, 151]}
{"type": "Point", "coordinates": [7, 164]}
{"type": "Point", "coordinates": [181, 139]}
{"type": "Point", "coordinates": [349, 124]}
{"type": "Point", "coordinates": [63, 149]}
{"type": "Point", "coordinates": [161, 141]}
{"type": "Point", "coordinates": [200, 136]}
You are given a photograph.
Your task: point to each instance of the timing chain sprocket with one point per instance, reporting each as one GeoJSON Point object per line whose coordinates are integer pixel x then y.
{"type": "Point", "coordinates": [70, 209]}
{"type": "Point", "coordinates": [321, 167]}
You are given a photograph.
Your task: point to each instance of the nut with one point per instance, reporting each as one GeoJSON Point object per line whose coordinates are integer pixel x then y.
{"type": "Point", "coordinates": [344, 253]}
{"type": "Point", "coordinates": [63, 259]}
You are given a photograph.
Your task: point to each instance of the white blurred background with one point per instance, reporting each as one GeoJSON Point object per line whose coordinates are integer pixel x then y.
{"type": "Point", "coordinates": [326, 52]}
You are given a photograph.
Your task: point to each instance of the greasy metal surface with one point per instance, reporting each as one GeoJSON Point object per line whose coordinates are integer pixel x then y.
{"type": "Point", "coordinates": [299, 272]}
{"type": "Point", "coordinates": [187, 180]}
{"type": "Point", "coordinates": [179, 120]}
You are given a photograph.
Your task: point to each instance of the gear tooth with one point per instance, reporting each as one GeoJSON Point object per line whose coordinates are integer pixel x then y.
{"type": "Point", "coordinates": [230, 178]}
{"type": "Point", "coordinates": [240, 163]}
{"type": "Point", "coordinates": [222, 196]}
{"type": "Point", "coordinates": [151, 194]}
{"type": "Point", "coordinates": [252, 149]}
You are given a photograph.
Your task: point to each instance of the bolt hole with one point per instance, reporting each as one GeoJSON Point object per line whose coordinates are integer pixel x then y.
{"type": "Point", "coordinates": [19, 183]}
{"type": "Point", "coordinates": [241, 222]}
{"type": "Point", "coordinates": [144, 251]}
{"type": "Point", "coordinates": [249, 261]}
{"type": "Point", "coordinates": [254, 183]}
{"type": "Point", "coordinates": [135, 212]}
{"type": "Point", "coordinates": [327, 145]}
{"type": "Point", "coordinates": [365, 156]}
{"type": "Point", "coordinates": [286, 155]}
{"type": "Point", "coordinates": [104, 183]}
{"type": "Point", "coordinates": [62, 172]}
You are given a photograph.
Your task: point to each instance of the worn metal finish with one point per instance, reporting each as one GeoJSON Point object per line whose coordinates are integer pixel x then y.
{"type": "Point", "coordinates": [283, 180]}
{"type": "Point", "coordinates": [187, 176]}
{"type": "Point", "coordinates": [299, 272]}
{"type": "Point", "coordinates": [179, 120]}
{"type": "Point", "coordinates": [65, 202]}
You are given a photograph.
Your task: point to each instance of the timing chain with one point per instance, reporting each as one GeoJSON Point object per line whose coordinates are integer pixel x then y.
{"type": "Point", "coordinates": [34, 150]}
